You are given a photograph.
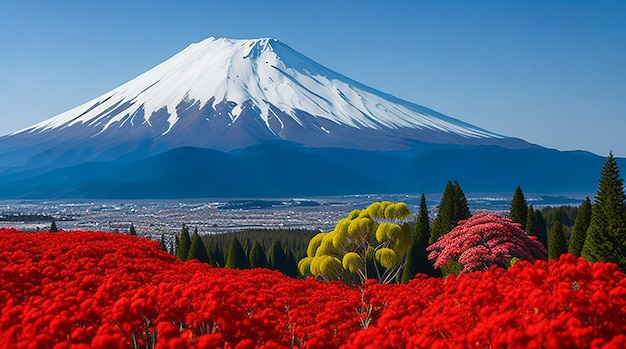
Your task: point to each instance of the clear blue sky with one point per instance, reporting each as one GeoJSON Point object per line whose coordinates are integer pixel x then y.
{"type": "Point", "coordinates": [550, 72]}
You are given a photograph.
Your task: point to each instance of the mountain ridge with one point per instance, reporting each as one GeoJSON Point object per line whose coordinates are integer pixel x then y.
{"type": "Point", "coordinates": [268, 121]}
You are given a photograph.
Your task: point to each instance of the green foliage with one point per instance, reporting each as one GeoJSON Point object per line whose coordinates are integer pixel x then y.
{"type": "Point", "coordinates": [368, 241]}
{"type": "Point", "coordinates": [417, 259]}
{"type": "Point", "coordinates": [452, 208]}
{"type": "Point", "coordinates": [557, 244]}
{"type": "Point", "coordinates": [53, 227]}
{"type": "Point", "coordinates": [237, 256]}
{"type": "Point", "coordinates": [531, 221]}
{"type": "Point", "coordinates": [216, 257]}
{"type": "Point", "coordinates": [579, 232]}
{"type": "Point", "coordinates": [606, 235]}
{"type": "Point", "coordinates": [184, 243]}
{"type": "Point", "coordinates": [197, 250]}
{"type": "Point", "coordinates": [257, 256]}
{"type": "Point", "coordinates": [131, 230]}
{"type": "Point", "coordinates": [519, 208]}
{"type": "Point", "coordinates": [541, 229]}
{"type": "Point", "coordinates": [279, 260]}
{"type": "Point", "coordinates": [293, 240]}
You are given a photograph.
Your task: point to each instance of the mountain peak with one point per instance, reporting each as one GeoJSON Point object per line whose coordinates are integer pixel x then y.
{"type": "Point", "coordinates": [230, 94]}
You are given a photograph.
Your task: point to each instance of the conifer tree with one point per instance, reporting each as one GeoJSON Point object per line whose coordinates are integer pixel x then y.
{"type": "Point", "coordinates": [237, 258]}
{"type": "Point", "coordinates": [531, 221]}
{"type": "Point", "coordinates": [197, 249]}
{"type": "Point", "coordinates": [258, 257]}
{"type": "Point", "coordinates": [452, 208]}
{"type": "Point", "coordinates": [557, 245]}
{"type": "Point", "coordinates": [216, 258]}
{"type": "Point", "coordinates": [461, 208]}
{"type": "Point", "coordinates": [606, 235]}
{"type": "Point", "coordinates": [541, 229]}
{"type": "Point", "coordinates": [184, 242]}
{"type": "Point", "coordinates": [519, 208]}
{"type": "Point", "coordinates": [579, 231]}
{"type": "Point", "coordinates": [131, 230]}
{"type": "Point", "coordinates": [53, 227]}
{"type": "Point", "coordinates": [278, 258]}
{"type": "Point", "coordinates": [417, 258]}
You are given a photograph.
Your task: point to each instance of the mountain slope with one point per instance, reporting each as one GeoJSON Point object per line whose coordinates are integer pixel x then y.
{"type": "Point", "coordinates": [293, 171]}
{"type": "Point", "coordinates": [231, 94]}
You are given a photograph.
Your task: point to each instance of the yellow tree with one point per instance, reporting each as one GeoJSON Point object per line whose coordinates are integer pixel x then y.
{"type": "Point", "coordinates": [367, 243]}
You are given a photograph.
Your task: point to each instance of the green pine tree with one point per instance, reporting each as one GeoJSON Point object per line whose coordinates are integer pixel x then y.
{"type": "Point", "coordinates": [461, 208]}
{"type": "Point", "coordinates": [557, 245]}
{"type": "Point", "coordinates": [53, 227]}
{"type": "Point", "coordinates": [606, 235]}
{"type": "Point", "coordinates": [579, 231]}
{"type": "Point", "coordinates": [417, 258]}
{"type": "Point", "coordinates": [541, 229]}
{"type": "Point", "coordinates": [216, 258]}
{"type": "Point", "coordinates": [452, 208]}
{"type": "Point", "coordinates": [197, 249]}
{"type": "Point", "coordinates": [531, 221]}
{"type": "Point", "coordinates": [131, 230]}
{"type": "Point", "coordinates": [184, 242]}
{"type": "Point", "coordinates": [278, 258]}
{"type": "Point", "coordinates": [258, 257]}
{"type": "Point", "coordinates": [519, 208]}
{"type": "Point", "coordinates": [237, 258]}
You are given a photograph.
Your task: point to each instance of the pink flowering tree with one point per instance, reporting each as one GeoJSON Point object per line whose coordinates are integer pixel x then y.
{"type": "Point", "coordinates": [484, 240]}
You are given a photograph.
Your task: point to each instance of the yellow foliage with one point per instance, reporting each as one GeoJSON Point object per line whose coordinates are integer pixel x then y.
{"type": "Point", "coordinates": [330, 266]}
{"type": "Point", "coordinates": [387, 257]}
{"type": "Point", "coordinates": [370, 252]}
{"type": "Point", "coordinates": [314, 266]}
{"type": "Point", "coordinates": [398, 210]}
{"type": "Point", "coordinates": [353, 214]}
{"type": "Point", "coordinates": [352, 262]}
{"type": "Point", "coordinates": [326, 247]}
{"type": "Point", "coordinates": [404, 240]}
{"type": "Point", "coordinates": [314, 243]}
{"type": "Point", "coordinates": [304, 266]}
{"type": "Point", "coordinates": [388, 230]}
{"type": "Point", "coordinates": [361, 228]}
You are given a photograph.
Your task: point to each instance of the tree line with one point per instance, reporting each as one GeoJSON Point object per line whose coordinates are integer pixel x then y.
{"type": "Point", "coordinates": [595, 231]}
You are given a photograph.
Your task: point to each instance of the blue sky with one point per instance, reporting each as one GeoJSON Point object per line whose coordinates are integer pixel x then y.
{"type": "Point", "coordinates": [550, 72]}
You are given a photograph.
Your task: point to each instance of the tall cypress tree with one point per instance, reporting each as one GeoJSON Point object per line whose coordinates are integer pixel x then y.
{"type": "Point", "coordinates": [519, 208]}
{"type": "Point", "coordinates": [531, 221]}
{"type": "Point", "coordinates": [53, 227]}
{"type": "Point", "coordinates": [556, 241]}
{"type": "Point", "coordinates": [258, 257]}
{"type": "Point", "coordinates": [606, 235]}
{"type": "Point", "coordinates": [278, 258]}
{"type": "Point", "coordinates": [237, 256]}
{"type": "Point", "coordinates": [131, 230]}
{"type": "Point", "coordinates": [461, 208]}
{"type": "Point", "coordinates": [541, 229]}
{"type": "Point", "coordinates": [197, 249]}
{"type": "Point", "coordinates": [417, 258]}
{"type": "Point", "coordinates": [184, 242]}
{"type": "Point", "coordinates": [216, 258]}
{"type": "Point", "coordinates": [452, 208]}
{"type": "Point", "coordinates": [579, 231]}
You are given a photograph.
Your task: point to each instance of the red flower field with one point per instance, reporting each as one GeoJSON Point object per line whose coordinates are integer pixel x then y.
{"type": "Point", "coordinates": [101, 290]}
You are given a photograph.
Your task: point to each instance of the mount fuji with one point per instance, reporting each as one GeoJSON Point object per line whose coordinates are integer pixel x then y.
{"type": "Point", "coordinates": [251, 118]}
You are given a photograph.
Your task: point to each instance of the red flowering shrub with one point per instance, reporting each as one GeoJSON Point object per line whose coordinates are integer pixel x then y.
{"type": "Point", "coordinates": [484, 240]}
{"type": "Point", "coordinates": [99, 290]}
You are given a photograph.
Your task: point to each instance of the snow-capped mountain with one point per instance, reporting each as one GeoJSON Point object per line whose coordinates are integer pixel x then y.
{"type": "Point", "coordinates": [247, 118]}
{"type": "Point", "coordinates": [230, 94]}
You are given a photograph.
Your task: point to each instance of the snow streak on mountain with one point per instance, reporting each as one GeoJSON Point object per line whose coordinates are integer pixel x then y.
{"type": "Point", "coordinates": [230, 94]}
